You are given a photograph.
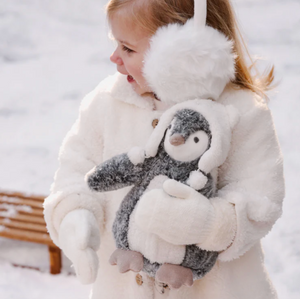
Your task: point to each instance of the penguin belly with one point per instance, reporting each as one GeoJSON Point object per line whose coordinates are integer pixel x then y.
{"type": "Point", "coordinates": [150, 245]}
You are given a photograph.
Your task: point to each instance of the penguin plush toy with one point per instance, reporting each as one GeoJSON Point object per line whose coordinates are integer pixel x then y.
{"type": "Point", "coordinates": [191, 140]}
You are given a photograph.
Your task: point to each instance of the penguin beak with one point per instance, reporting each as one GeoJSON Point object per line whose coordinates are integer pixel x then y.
{"type": "Point", "coordinates": [177, 139]}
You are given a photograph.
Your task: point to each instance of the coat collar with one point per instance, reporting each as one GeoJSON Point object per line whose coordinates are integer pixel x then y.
{"type": "Point", "coordinates": [119, 88]}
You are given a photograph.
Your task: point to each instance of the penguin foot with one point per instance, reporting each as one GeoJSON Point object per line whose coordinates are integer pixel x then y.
{"type": "Point", "coordinates": [174, 276]}
{"type": "Point", "coordinates": [127, 260]}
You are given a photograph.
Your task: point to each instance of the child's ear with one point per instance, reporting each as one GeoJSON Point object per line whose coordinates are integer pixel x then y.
{"type": "Point", "coordinates": [233, 115]}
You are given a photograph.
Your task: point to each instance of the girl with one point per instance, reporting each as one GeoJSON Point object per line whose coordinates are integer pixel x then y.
{"type": "Point", "coordinates": [121, 113]}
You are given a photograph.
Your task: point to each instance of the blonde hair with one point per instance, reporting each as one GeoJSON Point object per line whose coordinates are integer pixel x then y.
{"type": "Point", "coordinates": [152, 14]}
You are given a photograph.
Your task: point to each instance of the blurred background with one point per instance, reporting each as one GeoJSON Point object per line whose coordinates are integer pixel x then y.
{"type": "Point", "coordinates": [53, 52]}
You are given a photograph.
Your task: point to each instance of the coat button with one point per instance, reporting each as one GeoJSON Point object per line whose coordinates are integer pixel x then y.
{"type": "Point", "coordinates": [154, 123]}
{"type": "Point", "coordinates": [139, 279]}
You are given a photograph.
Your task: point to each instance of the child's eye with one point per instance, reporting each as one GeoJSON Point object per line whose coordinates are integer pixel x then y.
{"type": "Point", "coordinates": [125, 49]}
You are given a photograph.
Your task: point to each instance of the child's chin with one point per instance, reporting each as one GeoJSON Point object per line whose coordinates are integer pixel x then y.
{"type": "Point", "coordinates": [138, 90]}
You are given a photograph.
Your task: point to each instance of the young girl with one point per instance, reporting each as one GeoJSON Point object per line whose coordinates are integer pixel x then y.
{"type": "Point", "coordinates": [122, 112]}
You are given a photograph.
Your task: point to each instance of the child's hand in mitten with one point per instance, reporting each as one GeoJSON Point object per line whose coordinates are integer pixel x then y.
{"type": "Point", "coordinates": [79, 238]}
{"type": "Point", "coordinates": [176, 214]}
{"type": "Point", "coordinates": [182, 216]}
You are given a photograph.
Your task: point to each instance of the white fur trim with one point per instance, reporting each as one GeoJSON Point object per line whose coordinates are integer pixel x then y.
{"type": "Point", "coordinates": [119, 88]}
{"type": "Point", "coordinates": [261, 209]}
{"type": "Point", "coordinates": [197, 180]}
{"type": "Point", "coordinates": [59, 204]}
{"type": "Point", "coordinates": [184, 63]}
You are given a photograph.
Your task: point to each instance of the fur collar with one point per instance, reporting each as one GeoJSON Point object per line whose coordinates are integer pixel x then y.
{"type": "Point", "coordinates": [119, 88]}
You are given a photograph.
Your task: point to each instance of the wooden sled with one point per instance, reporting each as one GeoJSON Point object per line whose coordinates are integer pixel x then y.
{"type": "Point", "coordinates": [21, 218]}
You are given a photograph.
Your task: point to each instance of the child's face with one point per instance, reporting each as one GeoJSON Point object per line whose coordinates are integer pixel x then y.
{"type": "Point", "coordinates": [129, 54]}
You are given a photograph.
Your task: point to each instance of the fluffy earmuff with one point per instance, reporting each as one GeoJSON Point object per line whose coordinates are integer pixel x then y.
{"type": "Point", "coordinates": [189, 61]}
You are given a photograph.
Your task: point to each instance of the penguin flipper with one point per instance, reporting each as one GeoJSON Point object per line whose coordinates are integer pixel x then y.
{"type": "Point", "coordinates": [115, 173]}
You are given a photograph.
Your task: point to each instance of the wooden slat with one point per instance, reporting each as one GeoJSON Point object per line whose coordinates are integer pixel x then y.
{"type": "Point", "coordinates": [22, 195]}
{"type": "Point", "coordinates": [23, 226]}
{"type": "Point", "coordinates": [26, 218]}
{"type": "Point", "coordinates": [33, 212]}
{"type": "Point", "coordinates": [22, 235]}
{"type": "Point", "coordinates": [21, 201]}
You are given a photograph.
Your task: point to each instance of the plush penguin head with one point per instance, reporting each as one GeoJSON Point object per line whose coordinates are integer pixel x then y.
{"type": "Point", "coordinates": [183, 124]}
{"type": "Point", "coordinates": [188, 136]}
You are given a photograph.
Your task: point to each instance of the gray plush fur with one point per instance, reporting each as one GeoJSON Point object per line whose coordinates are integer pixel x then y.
{"type": "Point", "coordinates": [120, 172]}
{"type": "Point", "coordinates": [188, 121]}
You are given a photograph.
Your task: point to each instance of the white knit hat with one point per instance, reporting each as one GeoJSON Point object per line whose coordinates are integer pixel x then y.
{"type": "Point", "coordinates": [189, 61]}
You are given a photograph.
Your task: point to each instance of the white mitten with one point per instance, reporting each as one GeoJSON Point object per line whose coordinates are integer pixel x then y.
{"type": "Point", "coordinates": [180, 215]}
{"type": "Point", "coordinates": [79, 238]}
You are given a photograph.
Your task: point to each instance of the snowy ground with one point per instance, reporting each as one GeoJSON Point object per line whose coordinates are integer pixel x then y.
{"type": "Point", "coordinates": [52, 53]}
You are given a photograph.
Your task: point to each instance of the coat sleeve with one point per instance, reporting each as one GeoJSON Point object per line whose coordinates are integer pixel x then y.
{"type": "Point", "coordinates": [80, 152]}
{"type": "Point", "coordinates": [252, 179]}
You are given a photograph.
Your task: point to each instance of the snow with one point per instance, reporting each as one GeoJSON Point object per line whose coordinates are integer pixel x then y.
{"type": "Point", "coordinates": [16, 283]}
{"type": "Point", "coordinates": [52, 53]}
{"type": "Point", "coordinates": [11, 210]}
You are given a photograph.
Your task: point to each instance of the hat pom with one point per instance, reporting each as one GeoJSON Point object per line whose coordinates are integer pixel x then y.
{"type": "Point", "coordinates": [136, 155]}
{"type": "Point", "coordinates": [197, 180]}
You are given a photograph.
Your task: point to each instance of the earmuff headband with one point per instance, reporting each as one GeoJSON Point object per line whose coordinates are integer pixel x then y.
{"type": "Point", "coordinates": [200, 13]}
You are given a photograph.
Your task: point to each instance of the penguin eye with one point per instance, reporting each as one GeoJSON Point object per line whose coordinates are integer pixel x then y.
{"type": "Point", "coordinates": [196, 139]}
{"type": "Point", "coordinates": [169, 127]}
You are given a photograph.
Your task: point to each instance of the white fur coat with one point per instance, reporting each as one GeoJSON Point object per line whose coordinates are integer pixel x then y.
{"type": "Point", "coordinates": [112, 120]}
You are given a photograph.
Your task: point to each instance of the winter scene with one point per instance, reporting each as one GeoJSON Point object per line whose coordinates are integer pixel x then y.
{"type": "Point", "coordinates": [54, 52]}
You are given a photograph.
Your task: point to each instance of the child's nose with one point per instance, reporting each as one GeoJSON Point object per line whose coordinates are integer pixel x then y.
{"type": "Point", "coordinates": [115, 58]}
